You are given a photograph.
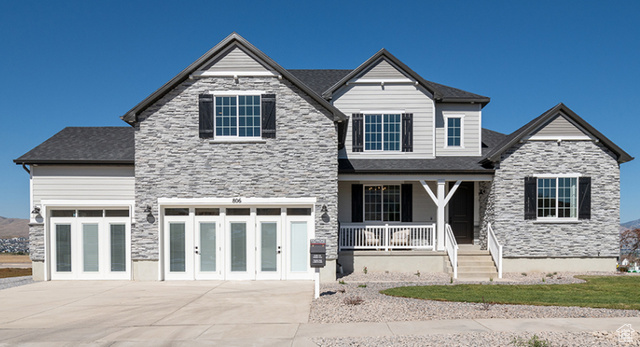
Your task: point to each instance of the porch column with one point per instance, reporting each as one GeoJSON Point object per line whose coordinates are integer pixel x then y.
{"type": "Point", "coordinates": [440, 222]}
{"type": "Point", "coordinates": [441, 201]}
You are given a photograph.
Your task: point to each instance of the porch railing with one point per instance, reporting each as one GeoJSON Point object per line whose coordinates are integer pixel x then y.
{"type": "Point", "coordinates": [451, 246]}
{"type": "Point", "coordinates": [495, 248]}
{"type": "Point", "coordinates": [356, 236]}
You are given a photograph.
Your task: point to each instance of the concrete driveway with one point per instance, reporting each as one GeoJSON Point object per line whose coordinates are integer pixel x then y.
{"type": "Point", "coordinates": [155, 313]}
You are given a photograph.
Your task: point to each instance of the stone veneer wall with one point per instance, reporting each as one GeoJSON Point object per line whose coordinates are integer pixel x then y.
{"type": "Point", "coordinates": [485, 209]}
{"type": "Point", "coordinates": [36, 242]}
{"type": "Point", "coordinates": [594, 237]}
{"type": "Point", "coordinates": [173, 162]}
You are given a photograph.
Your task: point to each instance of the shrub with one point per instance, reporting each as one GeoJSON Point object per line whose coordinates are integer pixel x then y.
{"type": "Point", "coordinates": [362, 286]}
{"type": "Point", "coordinates": [534, 341]}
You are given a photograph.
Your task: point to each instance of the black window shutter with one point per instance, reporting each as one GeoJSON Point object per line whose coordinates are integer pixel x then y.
{"type": "Point", "coordinates": [407, 203]}
{"type": "Point", "coordinates": [205, 106]}
{"type": "Point", "coordinates": [342, 133]}
{"type": "Point", "coordinates": [269, 116]}
{"type": "Point", "coordinates": [530, 186]}
{"type": "Point", "coordinates": [584, 197]}
{"type": "Point", "coordinates": [357, 206]}
{"type": "Point", "coordinates": [357, 132]}
{"type": "Point", "coordinates": [407, 132]}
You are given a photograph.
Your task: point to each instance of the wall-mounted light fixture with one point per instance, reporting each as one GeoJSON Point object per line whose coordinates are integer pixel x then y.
{"type": "Point", "coordinates": [150, 218]}
{"type": "Point", "coordinates": [325, 214]}
{"type": "Point", "coordinates": [36, 211]}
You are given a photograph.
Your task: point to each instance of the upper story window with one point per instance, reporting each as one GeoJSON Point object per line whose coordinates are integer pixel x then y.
{"type": "Point", "coordinates": [382, 132]}
{"type": "Point", "coordinates": [382, 203]}
{"type": "Point", "coordinates": [558, 197]}
{"type": "Point", "coordinates": [237, 116]}
{"type": "Point", "coordinates": [454, 131]}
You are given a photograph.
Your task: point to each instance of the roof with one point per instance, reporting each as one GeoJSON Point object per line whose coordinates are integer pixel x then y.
{"type": "Point", "coordinates": [515, 137]}
{"type": "Point", "coordinates": [459, 165]}
{"type": "Point", "coordinates": [131, 116]}
{"type": "Point", "coordinates": [440, 92]}
{"type": "Point", "coordinates": [319, 80]}
{"type": "Point", "coordinates": [84, 145]}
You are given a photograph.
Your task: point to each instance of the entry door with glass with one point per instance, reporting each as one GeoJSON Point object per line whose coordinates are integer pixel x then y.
{"type": "Point", "coordinates": [268, 247]}
{"type": "Point", "coordinates": [179, 247]}
{"type": "Point", "coordinates": [240, 245]}
{"type": "Point", "coordinates": [208, 245]}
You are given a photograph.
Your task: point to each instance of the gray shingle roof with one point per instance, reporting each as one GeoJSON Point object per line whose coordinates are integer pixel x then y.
{"type": "Point", "coordinates": [319, 80]}
{"type": "Point", "coordinates": [84, 145]}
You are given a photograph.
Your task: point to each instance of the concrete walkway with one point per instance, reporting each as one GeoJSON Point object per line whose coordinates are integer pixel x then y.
{"type": "Point", "coordinates": [270, 313]}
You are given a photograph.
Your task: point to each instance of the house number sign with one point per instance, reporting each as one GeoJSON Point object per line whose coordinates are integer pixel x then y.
{"type": "Point", "coordinates": [236, 200]}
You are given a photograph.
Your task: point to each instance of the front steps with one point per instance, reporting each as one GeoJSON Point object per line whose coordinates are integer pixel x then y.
{"type": "Point", "coordinates": [475, 264]}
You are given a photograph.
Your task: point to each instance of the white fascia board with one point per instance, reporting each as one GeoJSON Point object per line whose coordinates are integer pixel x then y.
{"type": "Point", "coordinates": [565, 175]}
{"type": "Point", "coordinates": [376, 112]}
{"type": "Point", "coordinates": [234, 201]}
{"type": "Point", "coordinates": [412, 178]}
{"type": "Point", "coordinates": [87, 203]}
{"type": "Point", "coordinates": [201, 74]}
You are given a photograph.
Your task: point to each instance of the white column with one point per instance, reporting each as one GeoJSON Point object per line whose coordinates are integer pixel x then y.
{"type": "Point", "coordinates": [440, 222]}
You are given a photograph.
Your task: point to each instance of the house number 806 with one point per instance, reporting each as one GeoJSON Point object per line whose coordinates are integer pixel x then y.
{"type": "Point", "coordinates": [236, 200]}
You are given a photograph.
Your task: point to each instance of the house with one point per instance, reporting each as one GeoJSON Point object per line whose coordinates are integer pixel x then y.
{"type": "Point", "coordinates": [232, 167]}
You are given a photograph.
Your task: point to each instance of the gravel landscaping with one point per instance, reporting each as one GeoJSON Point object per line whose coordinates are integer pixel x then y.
{"type": "Point", "coordinates": [482, 339]}
{"type": "Point", "coordinates": [14, 281]}
{"type": "Point", "coordinates": [336, 303]}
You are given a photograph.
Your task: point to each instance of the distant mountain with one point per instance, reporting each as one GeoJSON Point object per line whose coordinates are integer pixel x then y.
{"type": "Point", "coordinates": [13, 227]}
{"type": "Point", "coordinates": [634, 224]}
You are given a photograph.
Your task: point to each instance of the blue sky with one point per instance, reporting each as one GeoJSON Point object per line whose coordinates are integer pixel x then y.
{"type": "Point", "coordinates": [85, 63]}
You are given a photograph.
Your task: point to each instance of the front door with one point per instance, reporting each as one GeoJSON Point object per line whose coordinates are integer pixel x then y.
{"type": "Point", "coordinates": [268, 248]}
{"type": "Point", "coordinates": [461, 213]}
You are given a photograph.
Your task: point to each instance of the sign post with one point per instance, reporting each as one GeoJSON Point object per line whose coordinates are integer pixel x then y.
{"type": "Point", "coordinates": [318, 256]}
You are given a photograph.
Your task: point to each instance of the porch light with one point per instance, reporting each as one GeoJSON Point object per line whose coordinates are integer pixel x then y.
{"type": "Point", "coordinates": [325, 215]}
{"type": "Point", "coordinates": [324, 209]}
{"type": "Point", "coordinates": [150, 218]}
{"type": "Point", "coordinates": [36, 211]}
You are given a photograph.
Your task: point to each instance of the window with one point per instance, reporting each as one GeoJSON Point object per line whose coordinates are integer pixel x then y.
{"type": "Point", "coordinates": [382, 132]}
{"type": "Point", "coordinates": [237, 116]}
{"type": "Point", "coordinates": [558, 197]}
{"type": "Point", "coordinates": [382, 203]}
{"type": "Point", "coordinates": [454, 131]}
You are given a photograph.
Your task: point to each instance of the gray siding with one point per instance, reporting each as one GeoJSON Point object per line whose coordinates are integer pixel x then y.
{"type": "Point", "coordinates": [471, 129]}
{"type": "Point", "coordinates": [504, 206]}
{"type": "Point", "coordinates": [172, 161]}
{"type": "Point", "coordinates": [80, 182]}
{"type": "Point", "coordinates": [382, 70]}
{"type": "Point", "coordinates": [558, 127]}
{"type": "Point", "coordinates": [357, 98]}
{"type": "Point", "coordinates": [234, 59]}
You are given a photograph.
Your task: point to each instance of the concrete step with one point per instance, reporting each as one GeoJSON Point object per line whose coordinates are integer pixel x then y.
{"type": "Point", "coordinates": [471, 258]}
{"type": "Point", "coordinates": [473, 252]}
{"type": "Point", "coordinates": [484, 262]}
{"type": "Point", "coordinates": [476, 269]}
{"type": "Point", "coordinates": [477, 275]}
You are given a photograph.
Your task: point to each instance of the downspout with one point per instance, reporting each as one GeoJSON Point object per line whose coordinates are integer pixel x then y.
{"type": "Point", "coordinates": [24, 166]}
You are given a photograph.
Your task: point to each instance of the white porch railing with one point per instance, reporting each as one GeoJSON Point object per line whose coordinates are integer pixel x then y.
{"type": "Point", "coordinates": [355, 236]}
{"type": "Point", "coordinates": [495, 248]}
{"type": "Point", "coordinates": [451, 246]}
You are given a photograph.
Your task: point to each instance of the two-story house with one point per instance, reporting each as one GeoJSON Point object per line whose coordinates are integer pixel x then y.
{"type": "Point", "coordinates": [234, 165]}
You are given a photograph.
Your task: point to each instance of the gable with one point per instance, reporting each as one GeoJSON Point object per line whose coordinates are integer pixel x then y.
{"type": "Point", "coordinates": [234, 59]}
{"type": "Point", "coordinates": [560, 127]}
{"type": "Point", "coordinates": [383, 69]}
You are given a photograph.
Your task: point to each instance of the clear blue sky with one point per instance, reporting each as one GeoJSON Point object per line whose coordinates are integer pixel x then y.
{"type": "Point", "coordinates": [85, 63]}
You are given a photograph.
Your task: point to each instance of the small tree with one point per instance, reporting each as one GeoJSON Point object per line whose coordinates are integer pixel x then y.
{"type": "Point", "coordinates": [630, 244]}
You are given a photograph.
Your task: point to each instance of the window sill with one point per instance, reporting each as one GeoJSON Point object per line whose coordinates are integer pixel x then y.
{"type": "Point", "coordinates": [239, 140]}
{"type": "Point", "coordinates": [558, 221]}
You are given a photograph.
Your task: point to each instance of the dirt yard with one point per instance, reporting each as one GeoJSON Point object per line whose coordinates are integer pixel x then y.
{"type": "Point", "coordinates": [13, 258]}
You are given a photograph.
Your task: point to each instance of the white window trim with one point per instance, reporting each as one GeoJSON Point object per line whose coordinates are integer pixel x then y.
{"type": "Point", "coordinates": [446, 130]}
{"type": "Point", "coordinates": [557, 219]}
{"type": "Point", "coordinates": [237, 137]}
{"type": "Point", "coordinates": [364, 131]}
{"type": "Point", "coordinates": [381, 221]}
